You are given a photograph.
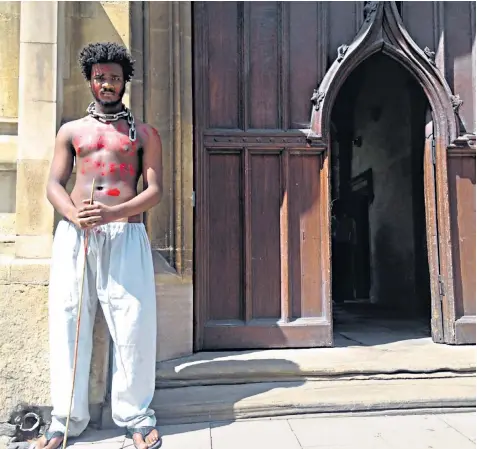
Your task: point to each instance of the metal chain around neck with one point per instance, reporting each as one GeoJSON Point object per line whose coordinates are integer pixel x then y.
{"type": "Point", "coordinates": [105, 118]}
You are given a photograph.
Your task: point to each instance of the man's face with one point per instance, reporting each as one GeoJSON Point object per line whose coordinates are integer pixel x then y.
{"type": "Point", "coordinates": [107, 83]}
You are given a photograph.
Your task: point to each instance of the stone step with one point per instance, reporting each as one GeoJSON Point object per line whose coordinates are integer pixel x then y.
{"type": "Point", "coordinates": [7, 245]}
{"type": "Point", "coordinates": [269, 399]}
{"type": "Point", "coordinates": [273, 399]}
{"type": "Point", "coordinates": [407, 359]}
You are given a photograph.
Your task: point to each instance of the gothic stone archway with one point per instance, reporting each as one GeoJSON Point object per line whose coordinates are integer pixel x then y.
{"type": "Point", "coordinates": [383, 31]}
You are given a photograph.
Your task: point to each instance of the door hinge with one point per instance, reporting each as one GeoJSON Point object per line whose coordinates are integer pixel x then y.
{"type": "Point", "coordinates": [441, 286]}
{"type": "Point", "coordinates": [193, 198]}
{"type": "Point", "coordinates": [433, 150]}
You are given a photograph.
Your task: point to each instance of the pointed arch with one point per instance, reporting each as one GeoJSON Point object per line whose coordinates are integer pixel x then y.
{"type": "Point", "coordinates": [383, 31]}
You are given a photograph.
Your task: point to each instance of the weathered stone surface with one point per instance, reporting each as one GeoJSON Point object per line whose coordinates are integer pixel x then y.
{"type": "Point", "coordinates": [24, 372]}
{"type": "Point", "coordinates": [7, 429]}
{"type": "Point", "coordinates": [229, 402]}
{"type": "Point", "coordinates": [9, 51]}
{"type": "Point", "coordinates": [405, 357]}
{"type": "Point", "coordinates": [24, 349]}
{"type": "Point", "coordinates": [31, 182]}
{"type": "Point", "coordinates": [42, 19]}
{"type": "Point", "coordinates": [174, 306]}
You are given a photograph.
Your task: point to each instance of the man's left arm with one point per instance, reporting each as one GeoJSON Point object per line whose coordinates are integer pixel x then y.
{"type": "Point", "coordinates": [152, 176]}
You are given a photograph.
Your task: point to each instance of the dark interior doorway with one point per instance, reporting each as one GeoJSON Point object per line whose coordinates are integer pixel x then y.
{"type": "Point", "coordinates": [379, 252]}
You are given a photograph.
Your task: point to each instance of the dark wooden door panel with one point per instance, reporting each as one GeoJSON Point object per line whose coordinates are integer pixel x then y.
{"type": "Point", "coordinates": [304, 33]}
{"type": "Point", "coordinates": [225, 256]}
{"type": "Point", "coordinates": [265, 200]}
{"type": "Point", "coordinates": [264, 68]}
{"type": "Point", "coordinates": [461, 172]}
{"type": "Point", "coordinates": [305, 235]}
{"type": "Point", "coordinates": [223, 65]}
{"type": "Point", "coordinates": [261, 245]}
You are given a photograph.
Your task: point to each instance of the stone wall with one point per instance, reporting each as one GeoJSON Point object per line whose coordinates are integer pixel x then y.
{"type": "Point", "coordinates": [39, 93]}
{"type": "Point", "coordinates": [9, 55]}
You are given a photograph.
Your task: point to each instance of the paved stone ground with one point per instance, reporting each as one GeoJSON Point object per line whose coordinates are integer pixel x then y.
{"type": "Point", "coordinates": [438, 431]}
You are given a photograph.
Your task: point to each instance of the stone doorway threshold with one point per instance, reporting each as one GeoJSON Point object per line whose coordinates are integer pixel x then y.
{"type": "Point", "coordinates": [397, 376]}
{"type": "Point", "coordinates": [411, 358]}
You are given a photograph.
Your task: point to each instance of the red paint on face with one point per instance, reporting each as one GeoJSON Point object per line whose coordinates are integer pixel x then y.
{"type": "Point", "coordinates": [113, 192]}
{"type": "Point", "coordinates": [112, 168]}
{"type": "Point", "coordinates": [132, 172]}
{"type": "Point", "coordinates": [107, 77]}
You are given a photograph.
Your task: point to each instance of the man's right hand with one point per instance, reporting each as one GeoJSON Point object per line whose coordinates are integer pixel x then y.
{"type": "Point", "coordinates": [85, 219]}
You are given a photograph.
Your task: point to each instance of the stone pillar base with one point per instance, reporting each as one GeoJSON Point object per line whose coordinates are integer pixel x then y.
{"type": "Point", "coordinates": [33, 247]}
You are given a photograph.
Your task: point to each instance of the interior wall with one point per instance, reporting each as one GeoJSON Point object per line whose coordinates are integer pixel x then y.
{"type": "Point", "coordinates": [382, 118]}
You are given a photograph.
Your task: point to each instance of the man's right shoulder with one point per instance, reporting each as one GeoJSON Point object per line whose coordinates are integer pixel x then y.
{"type": "Point", "coordinates": [71, 128]}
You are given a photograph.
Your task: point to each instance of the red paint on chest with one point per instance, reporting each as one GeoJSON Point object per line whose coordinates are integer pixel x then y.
{"type": "Point", "coordinates": [113, 192]}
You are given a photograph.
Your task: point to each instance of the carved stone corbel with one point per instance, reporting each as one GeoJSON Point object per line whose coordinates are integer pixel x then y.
{"type": "Point", "coordinates": [456, 102]}
{"type": "Point", "coordinates": [317, 99]}
{"type": "Point", "coordinates": [342, 49]}
{"type": "Point", "coordinates": [431, 55]}
{"type": "Point", "coordinates": [369, 9]}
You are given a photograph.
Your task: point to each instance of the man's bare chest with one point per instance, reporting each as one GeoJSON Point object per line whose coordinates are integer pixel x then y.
{"type": "Point", "coordinates": [104, 139]}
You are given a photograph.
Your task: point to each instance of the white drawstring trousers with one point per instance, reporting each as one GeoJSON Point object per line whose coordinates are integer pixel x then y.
{"type": "Point", "coordinates": [120, 274]}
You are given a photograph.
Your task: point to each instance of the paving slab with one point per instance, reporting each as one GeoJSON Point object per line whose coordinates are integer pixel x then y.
{"type": "Point", "coordinates": [384, 432]}
{"type": "Point", "coordinates": [338, 432]}
{"type": "Point", "coordinates": [254, 435]}
{"type": "Point", "coordinates": [92, 436]}
{"type": "Point", "coordinates": [182, 436]}
{"type": "Point", "coordinates": [428, 431]}
{"type": "Point", "coordinates": [422, 432]}
{"type": "Point", "coordinates": [463, 423]}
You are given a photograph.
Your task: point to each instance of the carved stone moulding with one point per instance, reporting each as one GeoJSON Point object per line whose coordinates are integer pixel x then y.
{"type": "Point", "coordinates": [342, 49]}
{"type": "Point", "coordinates": [384, 31]}
{"type": "Point", "coordinates": [456, 102]}
{"type": "Point", "coordinates": [317, 98]}
{"type": "Point", "coordinates": [462, 146]}
{"type": "Point", "coordinates": [303, 139]}
{"type": "Point", "coordinates": [431, 55]}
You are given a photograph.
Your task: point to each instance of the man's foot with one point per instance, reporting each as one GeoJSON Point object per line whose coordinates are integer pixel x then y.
{"type": "Point", "coordinates": [146, 438]}
{"type": "Point", "coordinates": [43, 443]}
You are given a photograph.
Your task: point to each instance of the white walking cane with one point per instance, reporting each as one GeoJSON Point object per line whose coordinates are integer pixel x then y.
{"type": "Point", "coordinates": [78, 323]}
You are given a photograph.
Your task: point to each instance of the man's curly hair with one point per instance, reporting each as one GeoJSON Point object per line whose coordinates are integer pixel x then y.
{"type": "Point", "coordinates": [104, 52]}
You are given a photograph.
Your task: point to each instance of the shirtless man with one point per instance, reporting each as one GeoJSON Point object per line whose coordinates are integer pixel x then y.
{"type": "Point", "coordinates": [114, 149]}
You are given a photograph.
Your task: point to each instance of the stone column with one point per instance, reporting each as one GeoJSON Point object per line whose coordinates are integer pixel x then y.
{"type": "Point", "coordinates": [168, 107]}
{"type": "Point", "coordinates": [42, 36]}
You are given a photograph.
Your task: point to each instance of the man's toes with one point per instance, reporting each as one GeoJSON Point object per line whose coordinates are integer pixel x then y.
{"type": "Point", "coordinates": [40, 443]}
{"type": "Point", "coordinates": [152, 438]}
{"type": "Point", "coordinates": [54, 443]}
{"type": "Point", "coordinates": [139, 442]}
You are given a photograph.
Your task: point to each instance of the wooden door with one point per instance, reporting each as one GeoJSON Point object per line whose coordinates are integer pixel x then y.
{"type": "Point", "coordinates": [432, 226]}
{"type": "Point", "coordinates": [262, 252]}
